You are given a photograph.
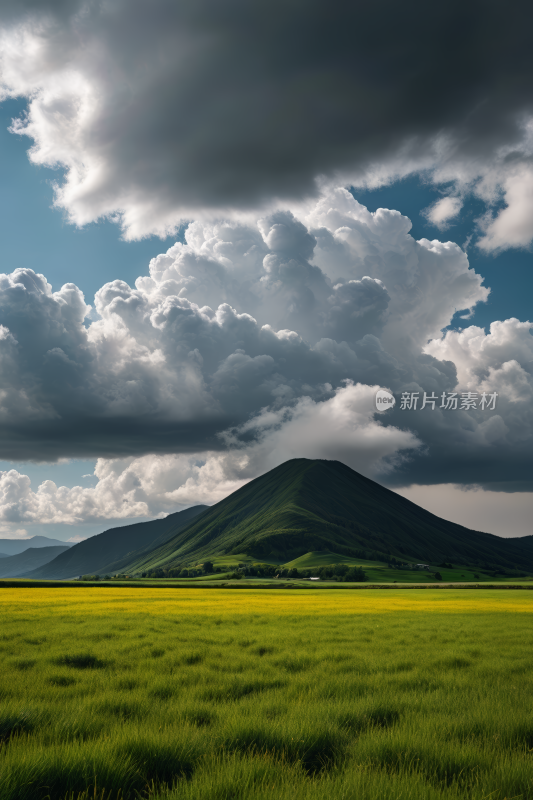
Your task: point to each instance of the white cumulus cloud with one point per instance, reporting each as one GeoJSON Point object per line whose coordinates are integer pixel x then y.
{"type": "Point", "coordinates": [244, 315]}
{"type": "Point", "coordinates": [443, 211]}
{"type": "Point", "coordinates": [254, 341]}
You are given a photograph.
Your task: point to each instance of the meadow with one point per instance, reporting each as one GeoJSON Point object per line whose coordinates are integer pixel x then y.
{"type": "Point", "coordinates": [216, 694]}
{"type": "Point", "coordinates": [376, 571]}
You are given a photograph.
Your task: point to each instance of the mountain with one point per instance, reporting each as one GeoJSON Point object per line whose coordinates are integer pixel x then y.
{"type": "Point", "coordinates": [98, 554]}
{"type": "Point", "coordinates": [33, 557]}
{"type": "Point", "coordinates": [304, 506]}
{"type": "Point", "coordinates": [13, 546]}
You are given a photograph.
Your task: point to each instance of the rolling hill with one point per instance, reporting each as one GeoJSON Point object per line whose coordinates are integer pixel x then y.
{"type": "Point", "coordinates": [98, 553]}
{"type": "Point", "coordinates": [10, 547]}
{"type": "Point", "coordinates": [33, 557]}
{"type": "Point", "coordinates": [305, 505]}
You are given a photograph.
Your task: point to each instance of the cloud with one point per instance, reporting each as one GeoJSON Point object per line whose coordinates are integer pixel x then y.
{"type": "Point", "coordinates": [10, 532]}
{"type": "Point", "coordinates": [511, 226]}
{"type": "Point", "coordinates": [163, 368]}
{"type": "Point", "coordinates": [251, 342]}
{"type": "Point", "coordinates": [443, 211]}
{"type": "Point", "coordinates": [341, 427]}
{"type": "Point", "coordinates": [155, 112]}
{"type": "Point", "coordinates": [344, 427]}
{"type": "Point", "coordinates": [477, 354]}
{"type": "Point", "coordinates": [246, 342]}
{"type": "Point", "coordinates": [464, 447]}
{"type": "Point", "coordinates": [502, 514]}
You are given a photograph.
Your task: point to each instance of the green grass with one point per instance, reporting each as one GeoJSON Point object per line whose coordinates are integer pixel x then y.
{"type": "Point", "coordinates": [206, 695]}
{"type": "Point", "coordinates": [234, 560]}
{"type": "Point", "coordinates": [459, 575]}
{"type": "Point", "coordinates": [323, 558]}
{"type": "Point", "coordinates": [377, 572]}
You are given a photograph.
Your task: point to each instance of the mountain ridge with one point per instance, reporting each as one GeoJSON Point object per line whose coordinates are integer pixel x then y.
{"type": "Point", "coordinates": [34, 557]}
{"type": "Point", "coordinates": [13, 546]}
{"type": "Point", "coordinates": [97, 553]}
{"type": "Point", "coordinates": [303, 505]}
{"type": "Point", "coordinates": [298, 507]}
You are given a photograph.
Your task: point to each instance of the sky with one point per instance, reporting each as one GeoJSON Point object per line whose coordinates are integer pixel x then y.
{"type": "Point", "coordinates": [225, 226]}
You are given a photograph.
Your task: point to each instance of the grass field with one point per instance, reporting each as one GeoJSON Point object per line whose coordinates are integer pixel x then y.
{"type": "Point", "coordinates": [325, 558]}
{"type": "Point", "coordinates": [219, 694]}
{"type": "Point", "coordinates": [379, 572]}
{"type": "Point", "coordinates": [376, 571]}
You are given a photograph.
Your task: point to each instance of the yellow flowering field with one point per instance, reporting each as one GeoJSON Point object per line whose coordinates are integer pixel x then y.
{"type": "Point", "coordinates": [97, 600]}
{"type": "Point", "coordinates": [229, 693]}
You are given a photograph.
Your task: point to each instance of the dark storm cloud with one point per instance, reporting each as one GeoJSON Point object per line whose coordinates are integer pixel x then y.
{"type": "Point", "coordinates": [455, 454]}
{"type": "Point", "coordinates": [51, 440]}
{"type": "Point", "coordinates": [160, 110]}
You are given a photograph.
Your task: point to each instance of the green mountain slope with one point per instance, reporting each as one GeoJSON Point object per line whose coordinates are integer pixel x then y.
{"type": "Point", "coordinates": [525, 543]}
{"type": "Point", "coordinates": [15, 566]}
{"type": "Point", "coordinates": [96, 554]}
{"type": "Point", "coordinates": [304, 506]}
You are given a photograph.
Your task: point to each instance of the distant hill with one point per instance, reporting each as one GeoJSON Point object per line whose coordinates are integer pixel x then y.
{"type": "Point", "coordinates": [33, 557]}
{"type": "Point", "coordinates": [3, 555]}
{"type": "Point", "coordinates": [305, 505]}
{"type": "Point", "coordinates": [97, 554]}
{"type": "Point", "coordinates": [13, 546]}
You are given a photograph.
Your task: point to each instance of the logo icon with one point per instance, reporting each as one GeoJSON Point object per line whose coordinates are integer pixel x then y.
{"type": "Point", "coordinates": [384, 400]}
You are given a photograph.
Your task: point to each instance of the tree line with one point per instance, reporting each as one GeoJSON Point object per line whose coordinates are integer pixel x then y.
{"type": "Point", "coordinates": [337, 572]}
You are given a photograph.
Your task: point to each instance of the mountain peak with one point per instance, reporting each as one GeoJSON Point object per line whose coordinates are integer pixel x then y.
{"type": "Point", "coordinates": [306, 505]}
